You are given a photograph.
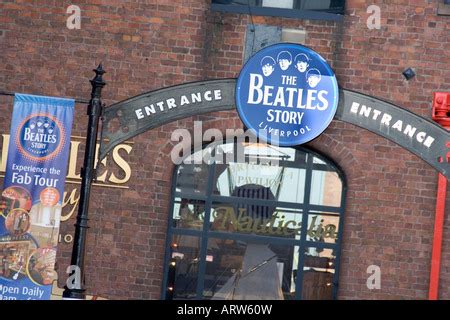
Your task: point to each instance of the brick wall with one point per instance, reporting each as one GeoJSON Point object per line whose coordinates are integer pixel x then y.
{"type": "Point", "coordinates": [146, 45]}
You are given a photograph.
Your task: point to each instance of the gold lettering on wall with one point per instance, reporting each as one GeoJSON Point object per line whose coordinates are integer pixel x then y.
{"type": "Point", "coordinates": [71, 172]}
{"type": "Point", "coordinates": [117, 158]}
{"type": "Point", "coordinates": [4, 154]}
{"type": "Point", "coordinates": [71, 202]}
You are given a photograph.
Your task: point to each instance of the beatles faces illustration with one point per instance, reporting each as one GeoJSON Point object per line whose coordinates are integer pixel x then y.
{"type": "Point", "coordinates": [284, 60]}
{"type": "Point", "coordinates": [313, 77]}
{"type": "Point", "coordinates": [301, 62]}
{"type": "Point", "coordinates": [268, 65]}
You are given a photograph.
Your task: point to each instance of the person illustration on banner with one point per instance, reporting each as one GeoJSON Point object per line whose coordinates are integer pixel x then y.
{"type": "Point", "coordinates": [313, 77]}
{"type": "Point", "coordinates": [20, 223]}
{"type": "Point", "coordinates": [23, 225]}
{"type": "Point", "coordinates": [284, 59]}
{"type": "Point", "coordinates": [301, 62]}
{"type": "Point", "coordinates": [3, 207]}
{"type": "Point", "coordinates": [1, 265]}
{"type": "Point", "coordinates": [268, 65]}
{"type": "Point", "coordinates": [41, 270]}
{"type": "Point", "coordinates": [17, 223]}
{"type": "Point", "coordinates": [5, 265]}
{"type": "Point", "coordinates": [36, 274]}
{"type": "Point", "coordinates": [24, 202]}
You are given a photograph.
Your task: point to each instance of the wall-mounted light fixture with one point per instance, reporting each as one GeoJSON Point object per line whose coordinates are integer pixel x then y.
{"type": "Point", "coordinates": [409, 74]}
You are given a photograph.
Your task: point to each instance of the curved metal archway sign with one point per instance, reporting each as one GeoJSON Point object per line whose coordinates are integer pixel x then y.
{"type": "Point", "coordinates": [128, 118]}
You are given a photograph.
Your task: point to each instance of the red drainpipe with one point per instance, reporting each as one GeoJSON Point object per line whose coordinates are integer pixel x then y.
{"type": "Point", "coordinates": [440, 114]}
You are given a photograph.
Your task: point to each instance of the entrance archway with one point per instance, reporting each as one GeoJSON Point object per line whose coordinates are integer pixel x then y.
{"type": "Point", "coordinates": [128, 118]}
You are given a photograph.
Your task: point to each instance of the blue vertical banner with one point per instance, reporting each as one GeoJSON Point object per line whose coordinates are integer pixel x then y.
{"type": "Point", "coordinates": [32, 195]}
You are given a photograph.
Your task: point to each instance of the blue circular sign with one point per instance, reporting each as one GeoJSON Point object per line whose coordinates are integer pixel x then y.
{"type": "Point", "coordinates": [39, 137]}
{"type": "Point", "coordinates": [287, 93]}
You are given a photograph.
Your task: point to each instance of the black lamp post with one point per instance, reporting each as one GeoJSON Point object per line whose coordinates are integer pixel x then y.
{"type": "Point", "coordinates": [88, 174]}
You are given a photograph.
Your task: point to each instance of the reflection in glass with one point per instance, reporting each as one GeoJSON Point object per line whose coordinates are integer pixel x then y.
{"type": "Point", "coordinates": [241, 218]}
{"type": "Point", "coordinates": [323, 227]}
{"type": "Point", "coordinates": [326, 188]}
{"type": "Point", "coordinates": [192, 178]}
{"type": "Point", "coordinates": [318, 273]}
{"type": "Point", "coordinates": [286, 4]}
{"type": "Point", "coordinates": [238, 270]}
{"type": "Point", "coordinates": [319, 161]}
{"type": "Point", "coordinates": [188, 213]}
{"type": "Point", "coordinates": [281, 177]}
{"type": "Point", "coordinates": [334, 6]}
{"type": "Point", "coordinates": [184, 261]}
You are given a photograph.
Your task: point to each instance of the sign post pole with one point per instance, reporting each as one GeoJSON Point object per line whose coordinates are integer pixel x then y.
{"type": "Point", "coordinates": [88, 174]}
{"type": "Point", "coordinates": [441, 107]}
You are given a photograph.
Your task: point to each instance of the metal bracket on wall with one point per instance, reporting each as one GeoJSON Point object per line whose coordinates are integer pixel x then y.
{"type": "Point", "coordinates": [444, 8]}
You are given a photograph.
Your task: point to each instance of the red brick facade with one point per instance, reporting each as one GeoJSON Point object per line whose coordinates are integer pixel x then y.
{"type": "Point", "coordinates": [146, 45]}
